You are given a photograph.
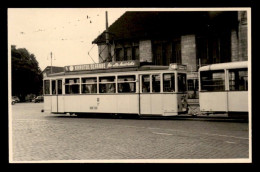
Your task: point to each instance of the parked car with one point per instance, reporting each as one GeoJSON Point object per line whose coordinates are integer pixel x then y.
{"type": "Point", "coordinates": [38, 99]}
{"type": "Point", "coordinates": [16, 99]}
{"type": "Point", "coordinates": [13, 101]}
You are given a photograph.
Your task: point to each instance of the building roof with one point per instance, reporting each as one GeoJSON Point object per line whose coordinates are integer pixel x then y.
{"type": "Point", "coordinates": [163, 24]}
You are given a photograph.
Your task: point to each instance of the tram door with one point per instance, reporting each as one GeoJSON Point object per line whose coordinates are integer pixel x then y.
{"type": "Point", "coordinates": [150, 97]}
{"type": "Point", "coordinates": [57, 98]}
{"type": "Point", "coordinates": [145, 96]}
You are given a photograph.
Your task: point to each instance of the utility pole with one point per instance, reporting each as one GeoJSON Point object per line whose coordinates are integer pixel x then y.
{"type": "Point", "coordinates": [51, 62]}
{"type": "Point", "coordinates": [107, 39]}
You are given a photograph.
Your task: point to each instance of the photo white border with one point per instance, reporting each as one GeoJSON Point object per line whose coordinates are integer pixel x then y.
{"type": "Point", "coordinates": [239, 160]}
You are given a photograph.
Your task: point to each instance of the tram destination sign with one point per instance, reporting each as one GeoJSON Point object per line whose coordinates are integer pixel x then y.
{"type": "Point", "coordinates": [107, 65]}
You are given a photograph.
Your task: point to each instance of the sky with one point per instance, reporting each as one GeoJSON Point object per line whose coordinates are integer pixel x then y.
{"type": "Point", "coordinates": [67, 33]}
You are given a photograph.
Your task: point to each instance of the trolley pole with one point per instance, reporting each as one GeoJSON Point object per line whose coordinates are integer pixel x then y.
{"type": "Point", "coordinates": [51, 62]}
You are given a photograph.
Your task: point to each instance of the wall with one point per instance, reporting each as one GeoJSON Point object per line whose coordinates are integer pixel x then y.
{"type": "Point", "coordinates": [145, 50]}
{"type": "Point", "coordinates": [188, 52]}
{"type": "Point", "coordinates": [239, 39]}
{"type": "Point", "coordinates": [243, 47]}
{"type": "Point", "coordinates": [234, 46]}
{"type": "Point", "coordinates": [103, 51]}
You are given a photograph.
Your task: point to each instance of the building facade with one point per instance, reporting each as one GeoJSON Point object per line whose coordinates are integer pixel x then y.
{"type": "Point", "coordinates": [191, 38]}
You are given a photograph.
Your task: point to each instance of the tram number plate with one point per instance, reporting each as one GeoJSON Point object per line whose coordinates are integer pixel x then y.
{"type": "Point", "coordinates": [93, 107]}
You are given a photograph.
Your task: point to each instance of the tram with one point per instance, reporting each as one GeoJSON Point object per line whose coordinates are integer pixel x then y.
{"type": "Point", "coordinates": [223, 87]}
{"type": "Point", "coordinates": [117, 88]}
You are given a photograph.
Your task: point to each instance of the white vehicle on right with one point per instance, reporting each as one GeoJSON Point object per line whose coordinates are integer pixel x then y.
{"type": "Point", "coordinates": [223, 88]}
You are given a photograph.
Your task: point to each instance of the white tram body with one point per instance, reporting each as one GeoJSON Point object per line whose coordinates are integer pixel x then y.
{"type": "Point", "coordinates": [223, 87]}
{"type": "Point", "coordinates": [152, 90]}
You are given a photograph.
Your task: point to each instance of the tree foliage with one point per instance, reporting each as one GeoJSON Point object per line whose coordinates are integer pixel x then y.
{"type": "Point", "coordinates": [26, 73]}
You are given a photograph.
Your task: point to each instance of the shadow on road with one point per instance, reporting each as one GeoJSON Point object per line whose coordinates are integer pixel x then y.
{"type": "Point", "coordinates": [134, 116]}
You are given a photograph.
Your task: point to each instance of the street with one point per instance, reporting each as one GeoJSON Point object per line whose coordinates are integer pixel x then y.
{"type": "Point", "coordinates": [38, 136]}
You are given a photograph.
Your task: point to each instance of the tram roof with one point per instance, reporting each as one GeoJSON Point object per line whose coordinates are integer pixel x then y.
{"type": "Point", "coordinates": [142, 68]}
{"type": "Point", "coordinates": [230, 65]}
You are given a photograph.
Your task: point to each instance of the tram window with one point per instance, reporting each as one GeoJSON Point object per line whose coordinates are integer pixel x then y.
{"type": "Point", "coordinates": [53, 86]}
{"type": "Point", "coordinates": [146, 83]}
{"type": "Point", "coordinates": [59, 86]}
{"type": "Point", "coordinates": [238, 80]}
{"type": "Point", "coordinates": [126, 84]}
{"type": "Point", "coordinates": [182, 87]}
{"type": "Point", "coordinates": [212, 80]}
{"type": "Point", "coordinates": [89, 85]}
{"type": "Point", "coordinates": [156, 83]}
{"type": "Point", "coordinates": [72, 86]}
{"type": "Point", "coordinates": [168, 82]}
{"type": "Point", "coordinates": [47, 87]}
{"type": "Point", "coordinates": [107, 84]}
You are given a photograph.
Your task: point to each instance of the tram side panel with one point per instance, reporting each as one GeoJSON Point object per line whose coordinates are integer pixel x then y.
{"type": "Point", "coordinates": [213, 101]}
{"type": "Point", "coordinates": [71, 103]}
{"type": "Point", "coordinates": [47, 104]}
{"type": "Point", "coordinates": [145, 104]}
{"type": "Point", "coordinates": [238, 101]}
{"type": "Point", "coordinates": [127, 103]}
{"type": "Point", "coordinates": [54, 104]}
{"type": "Point", "coordinates": [170, 105]}
{"type": "Point", "coordinates": [156, 104]}
{"type": "Point", "coordinates": [60, 104]}
{"type": "Point", "coordinates": [90, 104]}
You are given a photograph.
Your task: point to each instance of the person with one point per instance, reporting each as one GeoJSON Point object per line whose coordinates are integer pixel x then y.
{"type": "Point", "coordinates": [145, 88]}
{"type": "Point", "coordinates": [111, 88]}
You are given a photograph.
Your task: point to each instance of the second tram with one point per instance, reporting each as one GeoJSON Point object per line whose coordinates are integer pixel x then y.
{"type": "Point", "coordinates": [223, 87]}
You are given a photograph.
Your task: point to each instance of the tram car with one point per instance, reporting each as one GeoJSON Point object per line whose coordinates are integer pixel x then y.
{"type": "Point", "coordinates": [223, 88]}
{"type": "Point", "coordinates": [117, 88]}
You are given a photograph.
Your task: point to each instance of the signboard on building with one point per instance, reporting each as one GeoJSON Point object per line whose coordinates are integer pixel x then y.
{"type": "Point", "coordinates": [107, 65]}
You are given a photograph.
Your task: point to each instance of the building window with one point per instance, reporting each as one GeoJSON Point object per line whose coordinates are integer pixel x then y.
{"type": "Point", "coordinates": [212, 80]}
{"type": "Point", "coordinates": [89, 85]}
{"type": "Point", "coordinates": [72, 86]}
{"type": "Point", "coordinates": [238, 80]}
{"type": "Point", "coordinates": [135, 52]}
{"type": "Point", "coordinates": [192, 88]}
{"type": "Point", "coordinates": [46, 87]}
{"type": "Point", "coordinates": [126, 84]}
{"type": "Point", "coordinates": [167, 51]}
{"type": "Point", "coordinates": [214, 48]}
{"type": "Point", "coordinates": [107, 84]}
{"type": "Point", "coordinates": [119, 54]}
{"type": "Point", "coordinates": [169, 82]}
{"type": "Point", "coordinates": [127, 51]}
{"type": "Point", "coordinates": [190, 85]}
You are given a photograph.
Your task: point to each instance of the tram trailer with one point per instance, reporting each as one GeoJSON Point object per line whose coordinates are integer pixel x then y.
{"type": "Point", "coordinates": [223, 88]}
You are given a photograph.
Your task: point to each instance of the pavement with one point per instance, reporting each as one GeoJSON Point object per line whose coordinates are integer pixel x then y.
{"type": "Point", "coordinates": [42, 137]}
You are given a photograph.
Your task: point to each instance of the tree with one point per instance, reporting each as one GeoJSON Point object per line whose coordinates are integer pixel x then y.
{"type": "Point", "coordinates": [26, 74]}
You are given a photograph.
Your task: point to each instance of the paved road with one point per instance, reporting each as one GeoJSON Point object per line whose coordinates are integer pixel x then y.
{"type": "Point", "coordinates": [40, 136]}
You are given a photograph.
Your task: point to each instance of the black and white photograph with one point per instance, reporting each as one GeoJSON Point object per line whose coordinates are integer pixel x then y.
{"type": "Point", "coordinates": [129, 85]}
